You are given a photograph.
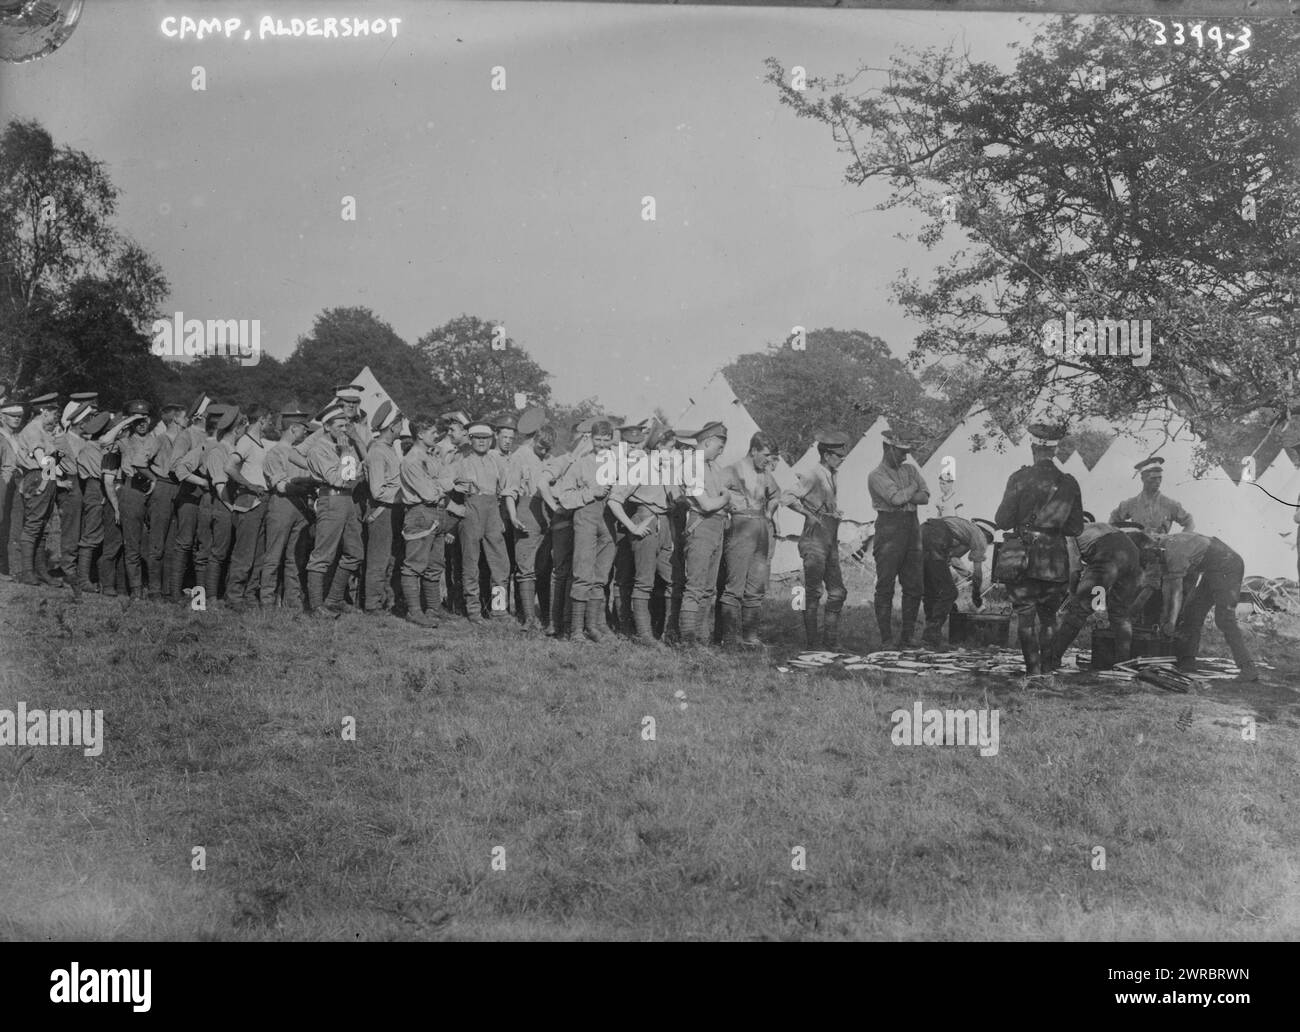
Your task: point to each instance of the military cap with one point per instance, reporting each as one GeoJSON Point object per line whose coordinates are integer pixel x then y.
{"type": "Point", "coordinates": [198, 407]}
{"type": "Point", "coordinates": [504, 421]}
{"type": "Point", "coordinates": [138, 407]}
{"type": "Point", "coordinates": [897, 439]}
{"type": "Point", "coordinates": [349, 392]}
{"type": "Point", "coordinates": [385, 416]}
{"type": "Point", "coordinates": [834, 441]}
{"type": "Point", "coordinates": [583, 426]}
{"type": "Point", "coordinates": [330, 412]}
{"type": "Point", "coordinates": [447, 418]}
{"type": "Point", "coordinates": [1155, 464]}
{"type": "Point", "coordinates": [127, 419]}
{"type": "Point", "coordinates": [84, 396]}
{"type": "Point", "coordinates": [13, 407]}
{"type": "Point", "coordinates": [72, 410]}
{"type": "Point", "coordinates": [1089, 518]}
{"type": "Point", "coordinates": [634, 429]}
{"type": "Point", "coordinates": [172, 406]}
{"type": "Point", "coordinates": [1046, 435]}
{"type": "Point", "coordinates": [45, 401]}
{"type": "Point", "coordinates": [480, 429]}
{"type": "Point", "coordinates": [228, 419]}
{"type": "Point", "coordinates": [289, 418]}
{"type": "Point", "coordinates": [96, 424]}
{"type": "Point", "coordinates": [684, 440]}
{"type": "Point", "coordinates": [713, 429]}
{"type": "Point", "coordinates": [531, 421]}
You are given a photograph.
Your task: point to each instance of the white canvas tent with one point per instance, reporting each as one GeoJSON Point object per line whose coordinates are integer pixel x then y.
{"type": "Point", "coordinates": [981, 476]}
{"type": "Point", "coordinates": [372, 394]}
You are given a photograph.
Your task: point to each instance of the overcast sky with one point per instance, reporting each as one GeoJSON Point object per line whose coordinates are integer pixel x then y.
{"type": "Point", "coordinates": [522, 206]}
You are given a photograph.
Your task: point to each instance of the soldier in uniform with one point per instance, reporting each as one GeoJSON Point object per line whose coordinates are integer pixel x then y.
{"type": "Point", "coordinates": [706, 524]}
{"type": "Point", "coordinates": [68, 489]}
{"type": "Point", "coordinates": [745, 552]}
{"type": "Point", "coordinates": [504, 426]}
{"type": "Point", "coordinates": [221, 515]}
{"type": "Point", "coordinates": [945, 540]}
{"type": "Point", "coordinates": [427, 479]}
{"type": "Point", "coordinates": [453, 444]}
{"type": "Point", "coordinates": [38, 463]}
{"type": "Point", "coordinates": [1042, 505]}
{"type": "Point", "coordinates": [288, 479]}
{"type": "Point", "coordinates": [1208, 574]}
{"type": "Point", "coordinates": [582, 490]}
{"type": "Point", "coordinates": [139, 448]}
{"type": "Point", "coordinates": [162, 501]}
{"type": "Point", "coordinates": [11, 501]}
{"type": "Point", "coordinates": [336, 465]}
{"type": "Point", "coordinates": [645, 549]}
{"type": "Point", "coordinates": [562, 530]}
{"type": "Point", "coordinates": [631, 445]}
{"type": "Point", "coordinates": [815, 498]}
{"type": "Point", "coordinates": [112, 569]}
{"type": "Point", "coordinates": [95, 435]}
{"type": "Point", "coordinates": [384, 520]}
{"type": "Point", "coordinates": [1112, 560]}
{"type": "Point", "coordinates": [246, 476]}
{"type": "Point", "coordinates": [897, 488]}
{"type": "Point", "coordinates": [1156, 513]}
{"type": "Point", "coordinates": [481, 478]}
{"type": "Point", "coordinates": [525, 508]}
{"type": "Point", "coordinates": [192, 536]}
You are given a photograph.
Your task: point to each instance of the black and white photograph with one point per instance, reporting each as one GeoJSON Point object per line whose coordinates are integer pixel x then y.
{"type": "Point", "coordinates": [510, 471]}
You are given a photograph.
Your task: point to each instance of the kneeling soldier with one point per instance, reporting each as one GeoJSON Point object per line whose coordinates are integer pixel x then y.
{"type": "Point", "coordinates": [1111, 561]}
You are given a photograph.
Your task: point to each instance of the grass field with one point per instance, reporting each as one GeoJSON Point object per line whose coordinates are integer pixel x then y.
{"type": "Point", "coordinates": [225, 732]}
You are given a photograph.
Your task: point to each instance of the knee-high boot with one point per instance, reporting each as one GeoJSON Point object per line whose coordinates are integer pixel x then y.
{"type": "Point", "coordinates": [316, 597]}
{"type": "Point", "coordinates": [414, 610]}
{"type": "Point", "coordinates": [527, 601]}
{"type": "Point", "coordinates": [810, 626]}
{"type": "Point", "coordinates": [641, 620]}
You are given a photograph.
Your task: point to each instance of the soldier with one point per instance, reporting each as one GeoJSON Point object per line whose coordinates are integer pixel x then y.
{"type": "Point", "coordinates": [112, 569]}
{"type": "Point", "coordinates": [336, 465]}
{"type": "Point", "coordinates": [525, 508]}
{"type": "Point", "coordinates": [348, 397]}
{"type": "Point", "coordinates": [897, 488]}
{"type": "Point", "coordinates": [453, 444]}
{"type": "Point", "coordinates": [384, 520]}
{"type": "Point", "coordinates": [90, 523]}
{"type": "Point", "coordinates": [1111, 560]}
{"type": "Point", "coordinates": [684, 446]}
{"type": "Point", "coordinates": [562, 529]}
{"type": "Point", "coordinates": [1042, 506]}
{"type": "Point", "coordinates": [427, 479]}
{"type": "Point", "coordinates": [1151, 509]}
{"type": "Point", "coordinates": [815, 498]}
{"type": "Point", "coordinates": [645, 550]}
{"type": "Point", "coordinates": [139, 447]}
{"type": "Point", "coordinates": [706, 521]}
{"type": "Point", "coordinates": [162, 501]}
{"type": "Point", "coordinates": [38, 464]}
{"type": "Point", "coordinates": [503, 426]}
{"type": "Point", "coordinates": [221, 514]}
{"type": "Point", "coordinates": [246, 474]}
{"type": "Point", "coordinates": [481, 478]}
{"type": "Point", "coordinates": [582, 490]}
{"type": "Point", "coordinates": [193, 505]}
{"type": "Point", "coordinates": [68, 490]}
{"type": "Point", "coordinates": [288, 479]}
{"type": "Point", "coordinates": [11, 501]}
{"type": "Point", "coordinates": [745, 553]}
{"type": "Point", "coordinates": [632, 435]}
{"type": "Point", "coordinates": [944, 541]}
{"type": "Point", "coordinates": [1209, 574]}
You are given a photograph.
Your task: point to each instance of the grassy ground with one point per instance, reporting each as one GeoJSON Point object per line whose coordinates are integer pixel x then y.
{"type": "Point", "coordinates": [225, 732]}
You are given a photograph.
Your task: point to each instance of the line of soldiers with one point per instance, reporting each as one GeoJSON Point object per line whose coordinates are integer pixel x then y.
{"type": "Point", "coordinates": [381, 508]}
{"type": "Point", "coordinates": [262, 508]}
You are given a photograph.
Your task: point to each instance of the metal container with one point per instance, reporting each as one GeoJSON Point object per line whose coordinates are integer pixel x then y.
{"type": "Point", "coordinates": [1145, 643]}
{"type": "Point", "coordinates": [979, 629]}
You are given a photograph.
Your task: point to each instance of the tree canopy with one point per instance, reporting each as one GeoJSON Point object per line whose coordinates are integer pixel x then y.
{"type": "Point", "coordinates": [1105, 176]}
{"type": "Point", "coordinates": [482, 367]}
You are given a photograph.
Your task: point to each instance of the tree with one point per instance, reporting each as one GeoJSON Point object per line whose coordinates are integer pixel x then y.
{"type": "Point", "coordinates": [483, 368]}
{"type": "Point", "coordinates": [1104, 176]}
{"type": "Point", "coordinates": [842, 379]}
{"type": "Point", "coordinates": [343, 341]}
{"type": "Point", "coordinates": [60, 253]}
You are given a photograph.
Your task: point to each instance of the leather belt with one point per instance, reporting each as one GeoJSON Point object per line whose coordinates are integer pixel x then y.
{"type": "Point", "coordinates": [325, 491]}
